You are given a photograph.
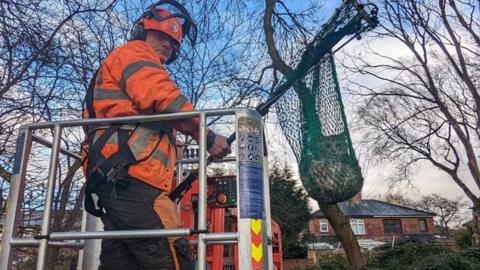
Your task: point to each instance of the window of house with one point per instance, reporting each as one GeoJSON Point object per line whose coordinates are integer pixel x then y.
{"type": "Point", "coordinates": [358, 226]}
{"type": "Point", "coordinates": [323, 225]}
{"type": "Point", "coordinates": [422, 223]}
{"type": "Point", "coordinates": [392, 226]}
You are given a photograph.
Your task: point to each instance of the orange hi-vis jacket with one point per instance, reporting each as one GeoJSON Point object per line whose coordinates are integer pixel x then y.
{"type": "Point", "coordinates": [132, 81]}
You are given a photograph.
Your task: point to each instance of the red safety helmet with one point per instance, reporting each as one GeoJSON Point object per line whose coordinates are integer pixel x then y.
{"type": "Point", "coordinates": [169, 17]}
{"type": "Point", "coordinates": [163, 21]}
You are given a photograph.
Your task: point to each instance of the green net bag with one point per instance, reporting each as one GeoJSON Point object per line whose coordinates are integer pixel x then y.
{"type": "Point", "coordinates": [312, 116]}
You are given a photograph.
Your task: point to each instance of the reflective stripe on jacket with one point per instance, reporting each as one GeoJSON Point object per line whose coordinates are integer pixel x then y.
{"type": "Point", "coordinates": [132, 81]}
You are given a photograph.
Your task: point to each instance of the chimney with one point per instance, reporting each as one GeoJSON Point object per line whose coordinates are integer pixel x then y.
{"type": "Point", "coordinates": [357, 198]}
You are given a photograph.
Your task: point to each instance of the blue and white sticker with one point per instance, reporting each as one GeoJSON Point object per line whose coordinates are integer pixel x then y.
{"type": "Point", "coordinates": [251, 190]}
{"type": "Point", "coordinates": [250, 147]}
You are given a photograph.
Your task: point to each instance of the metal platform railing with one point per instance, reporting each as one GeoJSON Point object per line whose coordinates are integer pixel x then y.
{"type": "Point", "coordinates": [254, 212]}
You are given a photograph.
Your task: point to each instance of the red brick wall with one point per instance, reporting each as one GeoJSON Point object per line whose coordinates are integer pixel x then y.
{"type": "Point", "coordinates": [297, 263]}
{"type": "Point", "coordinates": [314, 226]}
{"type": "Point", "coordinates": [374, 227]}
{"type": "Point", "coordinates": [410, 225]}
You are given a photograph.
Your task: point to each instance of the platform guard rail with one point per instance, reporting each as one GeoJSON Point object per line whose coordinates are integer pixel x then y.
{"type": "Point", "coordinates": [254, 221]}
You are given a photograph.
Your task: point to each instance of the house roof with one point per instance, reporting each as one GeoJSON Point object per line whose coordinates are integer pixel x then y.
{"type": "Point", "coordinates": [373, 208]}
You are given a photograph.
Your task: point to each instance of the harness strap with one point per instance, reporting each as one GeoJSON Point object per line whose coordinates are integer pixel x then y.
{"type": "Point", "coordinates": [95, 148]}
{"type": "Point", "coordinates": [93, 179]}
{"type": "Point", "coordinates": [90, 206]}
{"type": "Point", "coordinates": [118, 163]}
{"type": "Point", "coordinates": [89, 99]}
{"type": "Point", "coordinates": [101, 170]}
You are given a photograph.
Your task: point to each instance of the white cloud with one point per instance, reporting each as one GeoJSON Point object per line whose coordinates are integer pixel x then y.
{"type": "Point", "coordinates": [428, 179]}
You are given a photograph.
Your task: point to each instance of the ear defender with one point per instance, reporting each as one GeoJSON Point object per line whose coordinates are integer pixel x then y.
{"type": "Point", "coordinates": [138, 32]}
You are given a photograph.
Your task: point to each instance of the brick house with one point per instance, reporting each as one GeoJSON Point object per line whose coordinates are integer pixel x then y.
{"type": "Point", "coordinates": [374, 222]}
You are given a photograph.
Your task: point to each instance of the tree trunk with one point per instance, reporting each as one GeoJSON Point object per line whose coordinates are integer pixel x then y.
{"type": "Point", "coordinates": [475, 223]}
{"type": "Point", "coordinates": [339, 222]}
{"type": "Point", "coordinates": [343, 230]}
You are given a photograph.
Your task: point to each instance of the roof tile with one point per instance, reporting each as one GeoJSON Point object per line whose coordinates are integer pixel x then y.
{"type": "Point", "coordinates": [373, 208]}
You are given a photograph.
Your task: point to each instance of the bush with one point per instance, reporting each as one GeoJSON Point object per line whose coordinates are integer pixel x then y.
{"type": "Point", "coordinates": [464, 237]}
{"type": "Point", "coordinates": [472, 253]}
{"type": "Point", "coordinates": [329, 262]}
{"type": "Point", "coordinates": [295, 250]}
{"type": "Point", "coordinates": [424, 257]}
{"type": "Point", "coordinates": [448, 261]}
{"type": "Point", "coordinates": [402, 257]}
{"type": "Point", "coordinates": [336, 262]}
{"type": "Point", "coordinates": [411, 257]}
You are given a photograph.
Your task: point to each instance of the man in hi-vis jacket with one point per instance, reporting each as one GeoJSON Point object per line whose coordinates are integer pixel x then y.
{"type": "Point", "coordinates": [130, 167]}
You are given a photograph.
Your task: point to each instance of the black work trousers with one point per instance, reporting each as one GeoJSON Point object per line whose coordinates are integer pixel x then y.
{"type": "Point", "coordinates": [135, 205]}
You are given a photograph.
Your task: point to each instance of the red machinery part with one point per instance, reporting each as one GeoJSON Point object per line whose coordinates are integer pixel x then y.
{"type": "Point", "coordinates": [222, 217]}
{"type": "Point", "coordinates": [222, 198]}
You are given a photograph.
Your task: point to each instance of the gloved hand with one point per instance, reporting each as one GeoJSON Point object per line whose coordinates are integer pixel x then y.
{"type": "Point", "coordinates": [217, 145]}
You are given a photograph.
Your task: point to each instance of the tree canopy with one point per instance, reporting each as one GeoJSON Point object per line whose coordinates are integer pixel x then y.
{"type": "Point", "coordinates": [289, 207]}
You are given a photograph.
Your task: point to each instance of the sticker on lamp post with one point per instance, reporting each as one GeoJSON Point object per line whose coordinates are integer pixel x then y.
{"type": "Point", "coordinates": [250, 168]}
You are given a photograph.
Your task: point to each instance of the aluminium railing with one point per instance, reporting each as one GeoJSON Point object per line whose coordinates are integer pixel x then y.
{"type": "Point", "coordinates": [46, 237]}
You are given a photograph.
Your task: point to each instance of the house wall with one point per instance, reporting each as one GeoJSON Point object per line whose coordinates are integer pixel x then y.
{"type": "Point", "coordinates": [411, 225]}
{"type": "Point", "coordinates": [314, 226]}
{"type": "Point", "coordinates": [374, 227]}
{"type": "Point", "coordinates": [297, 263]}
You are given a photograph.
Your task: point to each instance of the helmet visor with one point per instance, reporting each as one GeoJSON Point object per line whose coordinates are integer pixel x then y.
{"type": "Point", "coordinates": [176, 10]}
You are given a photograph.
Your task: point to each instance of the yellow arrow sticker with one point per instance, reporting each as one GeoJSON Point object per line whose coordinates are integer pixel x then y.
{"type": "Point", "coordinates": [257, 252]}
{"type": "Point", "coordinates": [256, 225]}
